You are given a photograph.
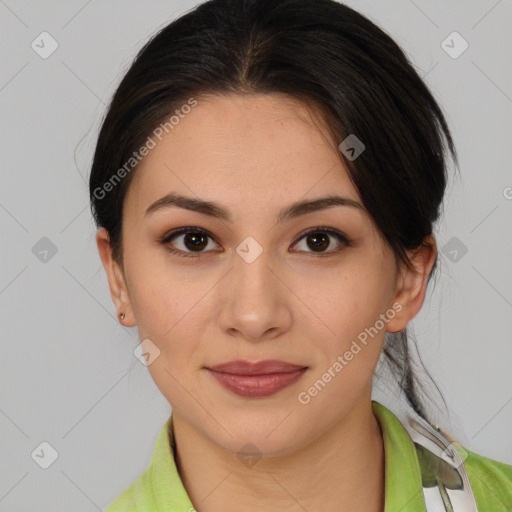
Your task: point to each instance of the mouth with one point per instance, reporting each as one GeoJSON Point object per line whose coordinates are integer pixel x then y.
{"type": "Point", "coordinates": [260, 379]}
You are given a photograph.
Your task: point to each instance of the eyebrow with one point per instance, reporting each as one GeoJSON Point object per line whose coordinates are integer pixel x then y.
{"type": "Point", "coordinates": [217, 211]}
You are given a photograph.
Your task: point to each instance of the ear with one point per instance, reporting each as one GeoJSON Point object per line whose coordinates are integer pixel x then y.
{"type": "Point", "coordinates": [411, 284]}
{"type": "Point", "coordinates": [116, 279]}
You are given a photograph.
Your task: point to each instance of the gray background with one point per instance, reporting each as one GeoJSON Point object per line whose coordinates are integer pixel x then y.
{"type": "Point", "coordinates": [68, 373]}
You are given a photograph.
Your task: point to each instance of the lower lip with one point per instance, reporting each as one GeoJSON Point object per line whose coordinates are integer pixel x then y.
{"type": "Point", "coordinates": [258, 385]}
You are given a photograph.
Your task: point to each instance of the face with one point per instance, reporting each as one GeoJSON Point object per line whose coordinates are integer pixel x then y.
{"type": "Point", "coordinates": [305, 288]}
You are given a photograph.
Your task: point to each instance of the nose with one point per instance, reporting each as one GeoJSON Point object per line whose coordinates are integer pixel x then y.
{"type": "Point", "coordinates": [255, 302]}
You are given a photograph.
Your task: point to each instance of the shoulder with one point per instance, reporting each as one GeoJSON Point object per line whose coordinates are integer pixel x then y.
{"type": "Point", "coordinates": [490, 480]}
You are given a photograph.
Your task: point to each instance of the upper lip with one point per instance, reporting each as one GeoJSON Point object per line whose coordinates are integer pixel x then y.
{"type": "Point", "coordinates": [260, 368]}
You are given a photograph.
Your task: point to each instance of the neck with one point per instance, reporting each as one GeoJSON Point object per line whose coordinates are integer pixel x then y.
{"type": "Point", "coordinates": [341, 470]}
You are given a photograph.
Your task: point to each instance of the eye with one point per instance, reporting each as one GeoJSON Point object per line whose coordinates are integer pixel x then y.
{"type": "Point", "coordinates": [319, 239]}
{"type": "Point", "coordinates": [193, 239]}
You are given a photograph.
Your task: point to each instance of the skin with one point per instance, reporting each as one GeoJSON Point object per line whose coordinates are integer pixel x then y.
{"type": "Point", "coordinates": [254, 155]}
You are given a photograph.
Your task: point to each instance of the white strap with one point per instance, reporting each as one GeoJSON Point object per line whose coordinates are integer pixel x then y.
{"type": "Point", "coordinates": [446, 485]}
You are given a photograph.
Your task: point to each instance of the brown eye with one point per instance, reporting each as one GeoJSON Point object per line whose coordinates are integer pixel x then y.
{"type": "Point", "coordinates": [319, 239]}
{"type": "Point", "coordinates": [195, 241]}
{"type": "Point", "coordinates": [186, 241]}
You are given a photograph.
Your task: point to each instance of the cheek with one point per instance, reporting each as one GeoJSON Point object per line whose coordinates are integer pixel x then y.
{"type": "Point", "coordinates": [164, 296]}
{"type": "Point", "coordinates": [170, 313]}
{"type": "Point", "coordinates": [346, 300]}
{"type": "Point", "coordinates": [349, 338]}
{"type": "Point", "coordinates": [348, 351]}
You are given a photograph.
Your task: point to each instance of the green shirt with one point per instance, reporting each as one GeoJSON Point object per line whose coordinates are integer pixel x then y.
{"type": "Point", "coordinates": [160, 489]}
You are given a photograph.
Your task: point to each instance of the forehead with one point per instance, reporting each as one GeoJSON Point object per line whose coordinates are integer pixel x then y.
{"type": "Point", "coordinates": [265, 146]}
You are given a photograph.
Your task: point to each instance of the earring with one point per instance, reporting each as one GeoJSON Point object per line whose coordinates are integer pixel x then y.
{"type": "Point", "coordinates": [122, 315]}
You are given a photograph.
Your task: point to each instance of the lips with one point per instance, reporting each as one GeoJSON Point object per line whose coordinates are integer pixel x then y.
{"type": "Point", "coordinates": [259, 368]}
{"type": "Point", "coordinates": [260, 379]}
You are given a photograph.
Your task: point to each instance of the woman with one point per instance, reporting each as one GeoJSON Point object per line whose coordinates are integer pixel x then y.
{"type": "Point", "coordinates": [265, 184]}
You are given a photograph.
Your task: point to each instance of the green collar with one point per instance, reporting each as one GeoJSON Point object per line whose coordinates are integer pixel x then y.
{"type": "Point", "coordinates": [404, 490]}
{"type": "Point", "coordinates": [160, 487]}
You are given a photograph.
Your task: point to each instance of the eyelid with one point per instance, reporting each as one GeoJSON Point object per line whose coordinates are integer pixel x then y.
{"type": "Point", "coordinates": [323, 229]}
{"type": "Point", "coordinates": [180, 231]}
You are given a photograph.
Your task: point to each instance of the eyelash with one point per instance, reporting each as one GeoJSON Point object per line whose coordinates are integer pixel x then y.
{"type": "Point", "coordinates": [166, 239]}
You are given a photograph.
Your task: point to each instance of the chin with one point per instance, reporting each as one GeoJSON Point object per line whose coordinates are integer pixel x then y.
{"type": "Point", "coordinates": [263, 434]}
